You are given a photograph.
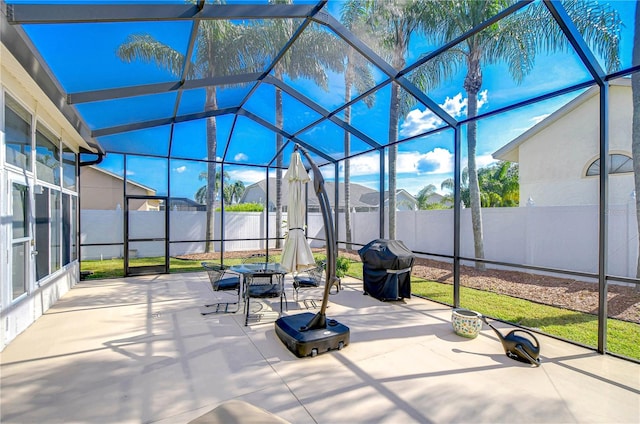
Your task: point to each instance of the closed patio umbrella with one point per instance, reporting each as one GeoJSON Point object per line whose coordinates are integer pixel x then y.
{"type": "Point", "coordinates": [296, 255]}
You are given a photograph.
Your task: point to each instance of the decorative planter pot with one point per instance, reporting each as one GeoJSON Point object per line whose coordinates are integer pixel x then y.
{"type": "Point", "coordinates": [466, 323]}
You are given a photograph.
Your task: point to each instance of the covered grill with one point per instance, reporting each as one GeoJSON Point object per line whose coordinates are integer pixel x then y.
{"type": "Point", "coordinates": [387, 269]}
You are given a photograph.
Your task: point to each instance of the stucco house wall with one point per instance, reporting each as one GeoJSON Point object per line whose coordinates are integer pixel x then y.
{"type": "Point", "coordinates": [554, 155]}
{"type": "Point", "coordinates": [100, 189]}
{"type": "Point", "coordinates": [20, 312]}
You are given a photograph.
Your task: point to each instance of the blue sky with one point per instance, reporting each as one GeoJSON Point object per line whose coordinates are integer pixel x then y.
{"type": "Point", "coordinates": [423, 161]}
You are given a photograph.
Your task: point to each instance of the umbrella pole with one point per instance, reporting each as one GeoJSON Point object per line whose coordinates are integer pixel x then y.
{"type": "Point", "coordinates": [320, 319]}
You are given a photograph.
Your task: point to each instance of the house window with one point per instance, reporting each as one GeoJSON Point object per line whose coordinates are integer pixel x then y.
{"type": "Point", "coordinates": [618, 164]}
{"type": "Point", "coordinates": [42, 233]}
{"type": "Point", "coordinates": [47, 156]}
{"type": "Point", "coordinates": [17, 134]}
{"type": "Point", "coordinates": [69, 217]}
{"type": "Point", "coordinates": [20, 239]}
{"type": "Point", "coordinates": [54, 231]}
{"type": "Point", "coordinates": [48, 231]}
{"type": "Point", "coordinates": [69, 168]}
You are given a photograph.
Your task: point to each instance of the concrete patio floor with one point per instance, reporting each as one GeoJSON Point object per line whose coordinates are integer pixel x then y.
{"type": "Point", "coordinates": [137, 350]}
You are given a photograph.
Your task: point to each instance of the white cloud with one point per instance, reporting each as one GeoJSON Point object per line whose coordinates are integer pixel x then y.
{"type": "Point", "coordinates": [180, 169]}
{"type": "Point", "coordinates": [247, 176]}
{"type": "Point", "coordinates": [483, 161]}
{"type": "Point", "coordinates": [483, 98]}
{"type": "Point", "coordinates": [537, 119]}
{"type": "Point", "coordinates": [437, 161]}
{"type": "Point", "coordinates": [418, 122]}
{"type": "Point", "coordinates": [531, 122]}
{"type": "Point", "coordinates": [363, 165]}
{"type": "Point", "coordinates": [240, 157]}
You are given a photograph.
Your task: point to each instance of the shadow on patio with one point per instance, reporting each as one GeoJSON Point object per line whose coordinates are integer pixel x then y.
{"type": "Point", "coordinates": [137, 350]}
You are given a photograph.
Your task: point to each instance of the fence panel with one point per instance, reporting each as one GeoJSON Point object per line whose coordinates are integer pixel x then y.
{"type": "Point", "coordinates": [564, 237]}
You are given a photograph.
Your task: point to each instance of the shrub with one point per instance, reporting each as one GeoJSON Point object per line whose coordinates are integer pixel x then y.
{"type": "Point", "coordinates": [342, 266]}
{"type": "Point", "coordinates": [243, 207]}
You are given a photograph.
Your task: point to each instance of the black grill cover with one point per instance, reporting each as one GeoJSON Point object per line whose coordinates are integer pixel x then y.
{"type": "Point", "coordinates": [381, 259]}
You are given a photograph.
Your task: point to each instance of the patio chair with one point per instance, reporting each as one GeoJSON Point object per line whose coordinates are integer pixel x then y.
{"type": "Point", "coordinates": [263, 285]}
{"type": "Point", "coordinates": [221, 283]}
{"type": "Point", "coordinates": [308, 279]}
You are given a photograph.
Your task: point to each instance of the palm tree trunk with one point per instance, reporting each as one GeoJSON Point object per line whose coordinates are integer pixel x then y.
{"type": "Point", "coordinates": [398, 62]}
{"type": "Point", "coordinates": [348, 76]}
{"type": "Point", "coordinates": [635, 131]}
{"type": "Point", "coordinates": [393, 154]}
{"type": "Point", "coordinates": [472, 84]}
{"type": "Point", "coordinates": [212, 144]}
{"type": "Point", "coordinates": [279, 142]}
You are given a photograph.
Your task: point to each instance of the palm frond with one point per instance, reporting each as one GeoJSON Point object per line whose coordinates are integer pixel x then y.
{"type": "Point", "coordinates": [219, 49]}
{"type": "Point", "coordinates": [598, 23]}
{"type": "Point", "coordinates": [315, 52]}
{"type": "Point", "coordinates": [149, 50]}
{"type": "Point", "coordinates": [438, 69]}
{"type": "Point", "coordinates": [361, 76]}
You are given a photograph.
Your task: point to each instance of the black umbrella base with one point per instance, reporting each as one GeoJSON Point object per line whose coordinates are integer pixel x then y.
{"type": "Point", "coordinates": [333, 336]}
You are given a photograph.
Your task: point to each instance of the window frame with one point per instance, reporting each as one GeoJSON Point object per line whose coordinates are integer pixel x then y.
{"type": "Point", "coordinates": [596, 163]}
{"type": "Point", "coordinates": [10, 165]}
{"type": "Point", "coordinates": [26, 240]}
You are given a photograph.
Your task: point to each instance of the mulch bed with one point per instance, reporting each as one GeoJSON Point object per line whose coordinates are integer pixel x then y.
{"type": "Point", "coordinates": [568, 293]}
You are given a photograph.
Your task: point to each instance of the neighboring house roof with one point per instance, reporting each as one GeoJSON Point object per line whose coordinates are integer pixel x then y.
{"type": "Point", "coordinates": [129, 181]}
{"type": "Point", "coordinates": [184, 203]}
{"type": "Point", "coordinates": [435, 198]}
{"type": "Point", "coordinates": [401, 196]}
{"type": "Point", "coordinates": [362, 197]}
{"type": "Point", "coordinates": [510, 152]}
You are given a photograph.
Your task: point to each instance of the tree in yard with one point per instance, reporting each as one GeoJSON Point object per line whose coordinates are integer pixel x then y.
{"type": "Point", "coordinates": [358, 76]}
{"type": "Point", "coordinates": [423, 196]}
{"type": "Point", "coordinates": [220, 50]}
{"type": "Point", "coordinates": [232, 192]}
{"type": "Point", "coordinates": [313, 52]}
{"type": "Point", "coordinates": [448, 184]}
{"type": "Point", "coordinates": [393, 23]}
{"type": "Point", "coordinates": [514, 40]}
{"type": "Point", "coordinates": [498, 184]}
{"type": "Point", "coordinates": [218, 181]}
{"type": "Point", "coordinates": [635, 132]}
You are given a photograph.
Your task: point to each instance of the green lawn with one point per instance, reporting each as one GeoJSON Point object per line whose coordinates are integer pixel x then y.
{"type": "Point", "coordinates": [623, 337]}
{"type": "Point", "coordinates": [113, 268]}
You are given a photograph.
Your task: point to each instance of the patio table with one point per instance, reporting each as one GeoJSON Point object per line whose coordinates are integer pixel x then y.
{"type": "Point", "coordinates": [254, 276]}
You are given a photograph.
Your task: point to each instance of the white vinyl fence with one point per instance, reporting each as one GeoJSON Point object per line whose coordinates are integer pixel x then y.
{"type": "Point", "coordinates": [564, 237]}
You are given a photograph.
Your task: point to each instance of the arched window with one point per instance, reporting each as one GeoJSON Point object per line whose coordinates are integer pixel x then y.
{"type": "Point", "coordinates": [618, 164]}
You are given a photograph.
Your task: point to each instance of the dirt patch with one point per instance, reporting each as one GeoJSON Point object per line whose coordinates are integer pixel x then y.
{"type": "Point", "coordinates": [623, 301]}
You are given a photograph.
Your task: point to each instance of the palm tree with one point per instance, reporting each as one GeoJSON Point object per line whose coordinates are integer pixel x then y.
{"type": "Point", "coordinates": [313, 48]}
{"type": "Point", "coordinates": [448, 184]}
{"type": "Point", "coordinates": [218, 180]}
{"type": "Point", "coordinates": [499, 185]}
{"type": "Point", "coordinates": [635, 137]}
{"type": "Point", "coordinates": [221, 49]}
{"type": "Point", "coordinates": [394, 23]}
{"type": "Point", "coordinates": [232, 192]}
{"type": "Point", "coordinates": [514, 40]}
{"type": "Point", "coordinates": [424, 194]}
{"type": "Point", "coordinates": [358, 76]}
